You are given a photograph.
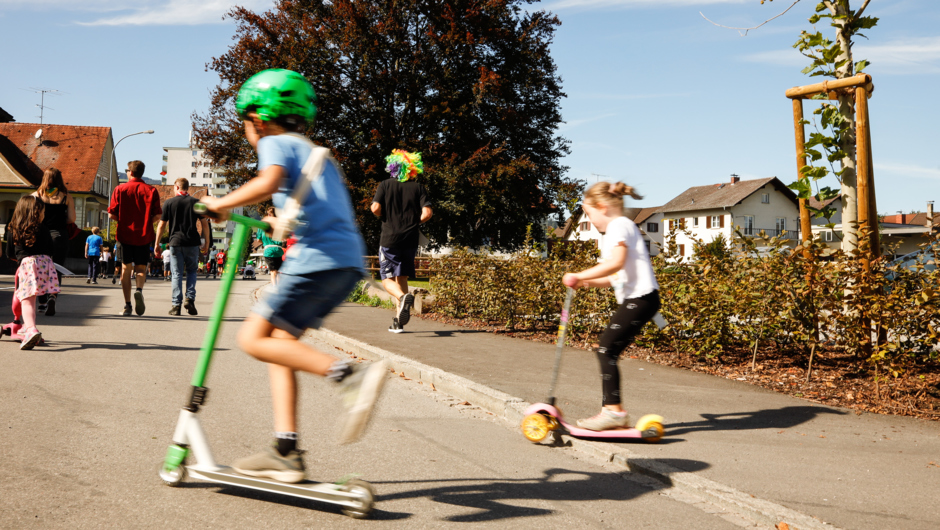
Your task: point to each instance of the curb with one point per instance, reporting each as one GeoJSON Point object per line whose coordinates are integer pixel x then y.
{"type": "Point", "coordinates": [511, 409]}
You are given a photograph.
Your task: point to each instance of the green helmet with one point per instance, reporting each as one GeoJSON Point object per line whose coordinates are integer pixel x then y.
{"type": "Point", "coordinates": [276, 92]}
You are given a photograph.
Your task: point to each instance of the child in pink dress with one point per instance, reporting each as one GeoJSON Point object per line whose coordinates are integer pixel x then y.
{"type": "Point", "coordinates": [31, 245]}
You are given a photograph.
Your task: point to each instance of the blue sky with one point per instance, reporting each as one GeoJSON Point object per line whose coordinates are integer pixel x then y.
{"type": "Point", "coordinates": [657, 96]}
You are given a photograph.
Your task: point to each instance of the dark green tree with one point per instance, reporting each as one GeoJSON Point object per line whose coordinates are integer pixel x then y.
{"type": "Point", "coordinates": [468, 83]}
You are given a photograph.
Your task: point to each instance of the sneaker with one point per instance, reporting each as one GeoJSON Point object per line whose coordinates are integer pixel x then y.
{"type": "Point", "coordinates": [395, 327]}
{"type": "Point", "coordinates": [605, 421]}
{"type": "Point", "coordinates": [88, 280]}
{"type": "Point", "coordinates": [404, 308]}
{"type": "Point", "coordinates": [139, 306]}
{"type": "Point", "coordinates": [190, 307]}
{"type": "Point", "coordinates": [127, 310]}
{"type": "Point", "coordinates": [175, 311]}
{"type": "Point", "coordinates": [50, 306]}
{"type": "Point", "coordinates": [270, 464]}
{"type": "Point", "coordinates": [94, 282]}
{"type": "Point", "coordinates": [360, 390]}
{"type": "Point", "coordinates": [30, 339]}
{"type": "Point", "coordinates": [113, 280]}
{"type": "Point", "coordinates": [41, 308]}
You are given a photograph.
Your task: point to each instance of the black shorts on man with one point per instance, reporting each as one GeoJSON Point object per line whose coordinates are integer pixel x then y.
{"type": "Point", "coordinates": [395, 262]}
{"type": "Point", "coordinates": [136, 254]}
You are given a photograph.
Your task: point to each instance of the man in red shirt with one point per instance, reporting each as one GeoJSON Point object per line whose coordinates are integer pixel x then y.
{"type": "Point", "coordinates": [135, 206]}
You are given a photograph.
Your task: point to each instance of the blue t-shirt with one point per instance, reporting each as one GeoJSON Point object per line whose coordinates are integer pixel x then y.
{"type": "Point", "coordinates": [94, 245]}
{"type": "Point", "coordinates": [327, 236]}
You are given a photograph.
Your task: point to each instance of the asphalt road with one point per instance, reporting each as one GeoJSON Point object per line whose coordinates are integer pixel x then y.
{"type": "Point", "coordinates": [86, 419]}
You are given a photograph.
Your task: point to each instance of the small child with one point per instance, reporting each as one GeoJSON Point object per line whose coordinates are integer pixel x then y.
{"type": "Point", "coordinates": [319, 270]}
{"type": "Point", "coordinates": [625, 266]}
{"type": "Point", "coordinates": [31, 244]}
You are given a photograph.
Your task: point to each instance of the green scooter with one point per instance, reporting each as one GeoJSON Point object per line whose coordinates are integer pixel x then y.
{"type": "Point", "coordinates": [356, 497]}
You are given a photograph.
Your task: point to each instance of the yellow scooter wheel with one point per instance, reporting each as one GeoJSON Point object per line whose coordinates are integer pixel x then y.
{"type": "Point", "coordinates": [535, 427]}
{"type": "Point", "coordinates": [654, 422]}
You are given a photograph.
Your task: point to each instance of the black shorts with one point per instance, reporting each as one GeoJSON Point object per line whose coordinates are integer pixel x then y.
{"type": "Point", "coordinates": [274, 264]}
{"type": "Point", "coordinates": [136, 254]}
{"type": "Point", "coordinates": [395, 262]}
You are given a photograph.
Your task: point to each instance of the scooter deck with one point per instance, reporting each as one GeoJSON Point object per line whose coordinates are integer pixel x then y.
{"type": "Point", "coordinates": [624, 433]}
{"type": "Point", "coordinates": [330, 493]}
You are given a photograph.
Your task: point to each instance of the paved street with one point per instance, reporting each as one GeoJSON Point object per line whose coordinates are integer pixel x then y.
{"type": "Point", "coordinates": [85, 421]}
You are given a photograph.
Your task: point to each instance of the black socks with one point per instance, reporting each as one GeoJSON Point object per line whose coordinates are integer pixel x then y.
{"type": "Point", "coordinates": [286, 442]}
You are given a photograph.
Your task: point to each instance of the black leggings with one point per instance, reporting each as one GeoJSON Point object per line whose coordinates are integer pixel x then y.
{"type": "Point", "coordinates": [626, 324]}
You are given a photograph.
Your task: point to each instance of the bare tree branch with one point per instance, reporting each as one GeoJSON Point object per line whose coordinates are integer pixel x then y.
{"type": "Point", "coordinates": [858, 14]}
{"type": "Point", "coordinates": [757, 26]}
{"type": "Point", "coordinates": [831, 7]}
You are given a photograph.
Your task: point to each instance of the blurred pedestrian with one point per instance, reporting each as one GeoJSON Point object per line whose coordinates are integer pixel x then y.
{"type": "Point", "coordinates": [93, 254]}
{"type": "Point", "coordinates": [273, 251]}
{"type": "Point", "coordinates": [59, 212]}
{"type": "Point", "coordinates": [184, 246]}
{"type": "Point", "coordinates": [135, 205]}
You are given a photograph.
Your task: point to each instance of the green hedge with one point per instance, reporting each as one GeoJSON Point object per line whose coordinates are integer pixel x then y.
{"type": "Point", "coordinates": [722, 302]}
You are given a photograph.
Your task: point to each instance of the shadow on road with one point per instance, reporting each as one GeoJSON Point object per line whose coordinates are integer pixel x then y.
{"type": "Point", "coordinates": [63, 346]}
{"type": "Point", "coordinates": [760, 419]}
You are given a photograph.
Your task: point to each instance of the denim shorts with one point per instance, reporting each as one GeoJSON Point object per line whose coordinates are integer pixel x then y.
{"type": "Point", "coordinates": [301, 302]}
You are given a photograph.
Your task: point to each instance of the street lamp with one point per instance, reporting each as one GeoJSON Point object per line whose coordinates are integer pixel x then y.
{"type": "Point", "coordinates": [111, 167]}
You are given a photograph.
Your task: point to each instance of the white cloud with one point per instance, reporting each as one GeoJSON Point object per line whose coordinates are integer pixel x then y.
{"type": "Point", "coordinates": [908, 56]}
{"type": "Point", "coordinates": [600, 4]}
{"type": "Point", "coordinates": [907, 170]}
{"type": "Point", "coordinates": [172, 12]}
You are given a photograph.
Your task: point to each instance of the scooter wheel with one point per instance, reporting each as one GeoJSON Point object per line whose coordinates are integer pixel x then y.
{"type": "Point", "coordinates": [651, 426]}
{"type": "Point", "coordinates": [365, 498]}
{"type": "Point", "coordinates": [174, 477]}
{"type": "Point", "coordinates": [535, 427]}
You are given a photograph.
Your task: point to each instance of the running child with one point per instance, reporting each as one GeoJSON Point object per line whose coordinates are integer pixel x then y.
{"type": "Point", "coordinates": [273, 251]}
{"type": "Point", "coordinates": [30, 243]}
{"type": "Point", "coordinates": [625, 266]}
{"type": "Point", "coordinates": [318, 272]}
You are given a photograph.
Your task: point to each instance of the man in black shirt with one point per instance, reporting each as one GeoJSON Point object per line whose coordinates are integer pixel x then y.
{"type": "Point", "coordinates": [182, 220]}
{"type": "Point", "coordinates": [402, 205]}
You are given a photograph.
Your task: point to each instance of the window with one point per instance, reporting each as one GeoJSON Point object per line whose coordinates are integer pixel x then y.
{"type": "Point", "coordinates": [716, 221]}
{"type": "Point", "coordinates": [584, 226]}
{"type": "Point", "coordinates": [749, 225]}
{"type": "Point", "coordinates": [695, 222]}
{"type": "Point", "coordinates": [827, 235]}
{"type": "Point", "coordinates": [194, 163]}
{"type": "Point", "coordinates": [647, 245]}
{"type": "Point", "coordinates": [781, 225]}
{"type": "Point", "coordinates": [765, 198]}
{"type": "Point", "coordinates": [652, 227]}
{"type": "Point", "coordinates": [206, 175]}
{"type": "Point", "coordinates": [193, 175]}
{"type": "Point", "coordinates": [195, 153]}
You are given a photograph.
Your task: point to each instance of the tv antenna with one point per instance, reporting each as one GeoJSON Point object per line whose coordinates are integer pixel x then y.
{"type": "Point", "coordinates": [597, 176]}
{"type": "Point", "coordinates": [42, 100]}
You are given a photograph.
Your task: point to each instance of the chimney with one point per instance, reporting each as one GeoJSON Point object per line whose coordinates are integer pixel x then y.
{"type": "Point", "coordinates": [930, 214]}
{"type": "Point", "coordinates": [735, 179]}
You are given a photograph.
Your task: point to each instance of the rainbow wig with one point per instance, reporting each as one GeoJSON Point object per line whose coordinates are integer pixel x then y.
{"type": "Point", "coordinates": [403, 165]}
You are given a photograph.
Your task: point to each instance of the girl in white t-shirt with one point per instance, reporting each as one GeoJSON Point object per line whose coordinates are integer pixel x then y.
{"type": "Point", "coordinates": [625, 266]}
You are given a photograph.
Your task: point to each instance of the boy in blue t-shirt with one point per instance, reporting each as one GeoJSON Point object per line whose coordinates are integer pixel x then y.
{"type": "Point", "coordinates": [93, 254]}
{"type": "Point", "coordinates": [319, 271]}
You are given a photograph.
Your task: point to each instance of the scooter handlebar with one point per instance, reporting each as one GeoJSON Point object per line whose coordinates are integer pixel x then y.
{"type": "Point", "coordinates": [202, 209]}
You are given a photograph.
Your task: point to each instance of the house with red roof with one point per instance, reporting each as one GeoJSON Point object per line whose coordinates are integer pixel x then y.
{"type": "Point", "coordinates": [82, 153]}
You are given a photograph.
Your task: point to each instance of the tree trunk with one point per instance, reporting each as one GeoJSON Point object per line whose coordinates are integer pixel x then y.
{"type": "Point", "coordinates": [847, 143]}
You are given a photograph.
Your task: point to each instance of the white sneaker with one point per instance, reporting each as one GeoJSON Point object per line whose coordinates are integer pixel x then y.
{"type": "Point", "coordinates": [361, 390]}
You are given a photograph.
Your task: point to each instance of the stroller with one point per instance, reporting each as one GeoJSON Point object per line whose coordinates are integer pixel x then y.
{"type": "Point", "coordinates": [248, 273]}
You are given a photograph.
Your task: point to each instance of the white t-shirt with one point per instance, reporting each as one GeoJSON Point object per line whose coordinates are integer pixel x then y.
{"type": "Point", "coordinates": [636, 278]}
{"type": "Point", "coordinates": [166, 254]}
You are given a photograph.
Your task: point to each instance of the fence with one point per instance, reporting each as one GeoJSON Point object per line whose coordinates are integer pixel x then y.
{"type": "Point", "coordinates": [422, 265]}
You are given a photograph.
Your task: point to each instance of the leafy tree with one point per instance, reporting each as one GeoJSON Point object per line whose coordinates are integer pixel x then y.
{"type": "Point", "coordinates": [468, 83]}
{"type": "Point", "coordinates": [836, 140]}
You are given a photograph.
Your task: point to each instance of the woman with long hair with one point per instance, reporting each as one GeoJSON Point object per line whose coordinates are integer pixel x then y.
{"type": "Point", "coordinates": [59, 212]}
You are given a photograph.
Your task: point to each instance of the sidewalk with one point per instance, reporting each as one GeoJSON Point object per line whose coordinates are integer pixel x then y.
{"type": "Point", "coordinates": [770, 455]}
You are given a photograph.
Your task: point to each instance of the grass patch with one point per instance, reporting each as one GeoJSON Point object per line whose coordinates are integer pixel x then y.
{"type": "Point", "coordinates": [360, 296]}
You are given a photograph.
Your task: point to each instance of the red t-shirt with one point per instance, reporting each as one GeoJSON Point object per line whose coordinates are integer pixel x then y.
{"type": "Point", "coordinates": [134, 204]}
{"type": "Point", "coordinates": [220, 257]}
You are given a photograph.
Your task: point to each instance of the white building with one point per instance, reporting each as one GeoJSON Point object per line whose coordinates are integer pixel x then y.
{"type": "Point", "coordinates": [192, 164]}
{"type": "Point", "coordinates": [752, 206]}
{"type": "Point", "coordinates": [648, 220]}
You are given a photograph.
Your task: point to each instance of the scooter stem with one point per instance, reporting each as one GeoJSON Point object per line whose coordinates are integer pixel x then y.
{"type": "Point", "coordinates": [562, 333]}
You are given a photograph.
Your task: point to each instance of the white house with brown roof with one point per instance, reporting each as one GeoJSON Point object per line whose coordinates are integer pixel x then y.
{"type": "Point", "coordinates": [648, 220]}
{"type": "Point", "coordinates": [752, 206]}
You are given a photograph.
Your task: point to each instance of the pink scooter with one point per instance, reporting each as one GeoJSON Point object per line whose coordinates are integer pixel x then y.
{"type": "Point", "coordinates": [542, 419]}
{"type": "Point", "coordinates": [12, 329]}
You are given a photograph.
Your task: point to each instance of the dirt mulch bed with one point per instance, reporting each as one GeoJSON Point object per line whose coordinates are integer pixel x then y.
{"type": "Point", "coordinates": [837, 380]}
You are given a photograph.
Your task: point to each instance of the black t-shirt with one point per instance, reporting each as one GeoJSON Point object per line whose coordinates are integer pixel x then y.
{"type": "Point", "coordinates": [182, 221]}
{"type": "Point", "coordinates": [43, 246]}
{"type": "Point", "coordinates": [401, 212]}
